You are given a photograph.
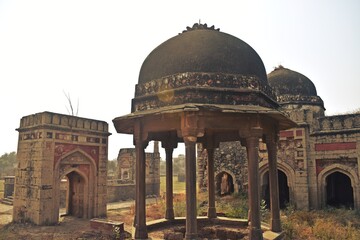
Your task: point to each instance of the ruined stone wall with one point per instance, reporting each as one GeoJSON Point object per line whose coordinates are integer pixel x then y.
{"type": "Point", "coordinates": [336, 148]}
{"type": "Point", "coordinates": [231, 158]}
{"type": "Point", "coordinates": [123, 187]}
{"type": "Point", "coordinates": [47, 145]}
{"type": "Point", "coordinates": [306, 155]}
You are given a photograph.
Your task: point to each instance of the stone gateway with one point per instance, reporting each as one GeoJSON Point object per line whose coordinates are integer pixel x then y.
{"type": "Point", "coordinates": [53, 147]}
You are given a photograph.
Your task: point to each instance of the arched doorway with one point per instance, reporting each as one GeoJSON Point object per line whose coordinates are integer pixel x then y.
{"type": "Point", "coordinates": [339, 192]}
{"type": "Point", "coordinates": [224, 184]}
{"type": "Point", "coordinates": [75, 195]}
{"type": "Point", "coordinates": [284, 196]}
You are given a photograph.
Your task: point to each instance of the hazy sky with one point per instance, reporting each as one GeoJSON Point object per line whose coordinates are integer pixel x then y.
{"type": "Point", "coordinates": [93, 50]}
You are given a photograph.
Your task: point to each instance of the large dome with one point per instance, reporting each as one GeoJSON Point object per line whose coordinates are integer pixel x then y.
{"type": "Point", "coordinates": [202, 66]}
{"type": "Point", "coordinates": [292, 87]}
{"type": "Point", "coordinates": [202, 49]}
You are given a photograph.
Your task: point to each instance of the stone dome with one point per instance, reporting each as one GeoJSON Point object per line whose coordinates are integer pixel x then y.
{"type": "Point", "coordinates": [204, 66]}
{"type": "Point", "coordinates": [292, 87]}
{"type": "Point", "coordinates": [202, 49]}
{"type": "Point", "coordinates": [286, 81]}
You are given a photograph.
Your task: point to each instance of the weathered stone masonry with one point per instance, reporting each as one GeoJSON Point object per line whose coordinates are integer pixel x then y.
{"type": "Point", "coordinates": [52, 146]}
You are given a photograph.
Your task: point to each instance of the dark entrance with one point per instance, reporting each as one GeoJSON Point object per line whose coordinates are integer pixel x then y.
{"type": "Point", "coordinates": [75, 196]}
{"type": "Point", "coordinates": [339, 192]}
{"type": "Point", "coordinates": [224, 184]}
{"type": "Point", "coordinates": [284, 198]}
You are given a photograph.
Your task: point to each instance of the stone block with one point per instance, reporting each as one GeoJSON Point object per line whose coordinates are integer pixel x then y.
{"type": "Point", "coordinates": [106, 226]}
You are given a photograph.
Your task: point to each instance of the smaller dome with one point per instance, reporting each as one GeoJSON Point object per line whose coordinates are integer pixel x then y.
{"type": "Point", "coordinates": [291, 87]}
{"type": "Point", "coordinates": [286, 81]}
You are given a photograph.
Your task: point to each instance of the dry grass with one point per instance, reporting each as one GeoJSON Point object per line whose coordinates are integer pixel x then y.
{"type": "Point", "coordinates": [323, 224]}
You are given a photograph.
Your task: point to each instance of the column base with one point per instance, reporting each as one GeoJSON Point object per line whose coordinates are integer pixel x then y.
{"type": "Point", "coordinates": [140, 233]}
{"type": "Point", "coordinates": [211, 212]}
{"type": "Point", "coordinates": [275, 225]}
{"type": "Point", "coordinates": [191, 236]}
{"type": "Point", "coordinates": [255, 234]}
{"type": "Point", "coordinates": [169, 214]}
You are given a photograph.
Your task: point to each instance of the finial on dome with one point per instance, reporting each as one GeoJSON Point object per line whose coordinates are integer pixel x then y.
{"type": "Point", "coordinates": [198, 26]}
{"type": "Point", "coordinates": [279, 67]}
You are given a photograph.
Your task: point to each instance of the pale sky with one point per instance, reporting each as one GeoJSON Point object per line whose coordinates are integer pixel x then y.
{"type": "Point", "coordinates": [93, 50]}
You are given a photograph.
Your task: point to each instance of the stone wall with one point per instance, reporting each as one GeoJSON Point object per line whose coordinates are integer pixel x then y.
{"type": "Point", "coordinates": [50, 146]}
{"type": "Point", "coordinates": [307, 155]}
{"type": "Point", "coordinates": [123, 188]}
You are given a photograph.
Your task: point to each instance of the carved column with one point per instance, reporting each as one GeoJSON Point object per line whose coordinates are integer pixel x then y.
{"type": "Point", "coordinates": [169, 212]}
{"type": "Point", "coordinates": [140, 201]}
{"type": "Point", "coordinates": [190, 168]}
{"type": "Point", "coordinates": [252, 145]}
{"type": "Point", "coordinates": [271, 145]}
{"type": "Point", "coordinates": [211, 184]}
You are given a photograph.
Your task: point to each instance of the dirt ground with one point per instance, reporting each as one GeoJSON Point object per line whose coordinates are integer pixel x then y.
{"type": "Point", "coordinates": [72, 228]}
{"type": "Point", "coordinates": [68, 228]}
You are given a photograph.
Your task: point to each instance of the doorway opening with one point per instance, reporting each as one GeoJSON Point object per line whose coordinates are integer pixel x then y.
{"type": "Point", "coordinates": [75, 195]}
{"type": "Point", "coordinates": [339, 192]}
{"type": "Point", "coordinates": [224, 184]}
{"type": "Point", "coordinates": [284, 196]}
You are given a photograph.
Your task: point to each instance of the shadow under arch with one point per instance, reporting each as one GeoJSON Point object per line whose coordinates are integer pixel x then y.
{"type": "Point", "coordinates": [286, 181]}
{"type": "Point", "coordinates": [328, 186]}
{"type": "Point", "coordinates": [80, 166]}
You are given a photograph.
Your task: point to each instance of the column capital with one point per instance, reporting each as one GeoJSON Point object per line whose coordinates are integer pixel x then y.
{"type": "Point", "coordinates": [191, 125]}
{"type": "Point", "coordinates": [253, 132]}
{"type": "Point", "coordinates": [139, 136]}
{"type": "Point", "coordinates": [271, 137]}
{"type": "Point", "coordinates": [169, 143]}
{"type": "Point", "coordinates": [190, 139]}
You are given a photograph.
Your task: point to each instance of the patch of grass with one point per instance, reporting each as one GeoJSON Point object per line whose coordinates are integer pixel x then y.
{"type": "Point", "coordinates": [178, 187]}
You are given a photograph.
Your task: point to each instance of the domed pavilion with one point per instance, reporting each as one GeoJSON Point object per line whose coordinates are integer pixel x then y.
{"type": "Point", "coordinates": [204, 86]}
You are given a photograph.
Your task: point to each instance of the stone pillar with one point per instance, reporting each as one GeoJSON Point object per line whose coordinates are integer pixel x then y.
{"type": "Point", "coordinates": [169, 214]}
{"type": "Point", "coordinates": [190, 169]}
{"type": "Point", "coordinates": [271, 145]}
{"type": "Point", "coordinates": [211, 183]}
{"type": "Point", "coordinates": [140, 201]}
{"type": "Point", "coordinates": [252, 145]}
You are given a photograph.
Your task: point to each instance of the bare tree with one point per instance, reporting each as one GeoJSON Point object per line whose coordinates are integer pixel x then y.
{"type": "Point", "coordinates": [71, 112]}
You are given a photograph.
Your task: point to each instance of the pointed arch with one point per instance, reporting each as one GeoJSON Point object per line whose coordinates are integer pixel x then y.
{"type": "Point", "coordinates": [286, 169]}
{"type": "Point", "coordinates": [234, 188]}
{"type": "Point", "coordinates": [85, 166]}
{"type": "Point", "coordinates": [341, 168]}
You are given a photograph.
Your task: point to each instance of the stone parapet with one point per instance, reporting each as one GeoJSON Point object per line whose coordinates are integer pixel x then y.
{"type": "Point", "coordinates": [338, 123]}
{"type": "Point", "coordinates": [51, 120]}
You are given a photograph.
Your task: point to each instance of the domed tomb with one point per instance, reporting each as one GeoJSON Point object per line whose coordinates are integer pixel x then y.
{"type": "Point", "coordinates": [291, 87]}
{"type": "Point", "coordinates": [202, 66]}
